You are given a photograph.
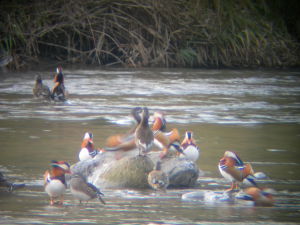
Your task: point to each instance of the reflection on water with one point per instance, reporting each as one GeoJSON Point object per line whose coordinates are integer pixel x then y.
{"type": "Point", "coordinates": [255, 113]}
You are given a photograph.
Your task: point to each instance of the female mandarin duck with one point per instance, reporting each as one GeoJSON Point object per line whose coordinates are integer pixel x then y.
{"type": "Point", "coordinates": [143, 134]}
{"type": "Point", "coordinates": [189, 147]}
{"type": "Point", "coordinates": [40, 90]}
{"type": "Point", "coordinates": [88, 150]}
{"type": "Point", "coordinates": [55, 182]}
{"type": "Point", "coordinates": [126, 141]}
{"type": "Point", "coordinates": [158, 179]}
{"type": "Point", "coordinates": [83, 190]}
{"type": "Point", "coordinates": [232, 168]}
{"type": "Point", "coordinates": [260, 197]}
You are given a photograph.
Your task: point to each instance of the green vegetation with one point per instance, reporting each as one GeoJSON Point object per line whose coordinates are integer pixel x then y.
{"type": "Point", "coordinates": [167, 33]}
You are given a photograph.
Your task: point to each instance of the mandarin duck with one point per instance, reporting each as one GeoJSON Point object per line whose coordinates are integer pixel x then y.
{"type": "Point", "coordinates": [55, 182]}
{"type": "Point", "coordinates": [88, 150]}
{"type": "Point", "coordinates": [126, 141]}
{"type": "Point", "coordinates": [84, 191]}
{"type": "Point", "coordinates": [189, 148]}
{"type": "Point", "coordinates": [41, 90]}
{"type": "Point", "coordinates": [159, 122]}
{"type": "Point", "coordinates": [143, 134]}
{"type": "Point", "coordinates": [158, 179]}
{"type": "Point", "coordinates": [58, 91]}
{"type": "Point", "coordinates": [233, 169]}
{"type": "Point", "coordinates": [259, 196]}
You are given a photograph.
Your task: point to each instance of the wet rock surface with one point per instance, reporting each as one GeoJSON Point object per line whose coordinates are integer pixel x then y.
{"type": "Point", "coordinates": [131, 170]}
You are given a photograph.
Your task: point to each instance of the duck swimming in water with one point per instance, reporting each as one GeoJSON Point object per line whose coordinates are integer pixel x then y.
{"type": "Point", "coordinates": [143, 134]}
{"type": "Point", "coordinates": [233, 169]}
{"type": "Point", "coordinates": [41, 90]}
{"type": "Point", "coordinates": [58, 91]}
{"type": "Point", "coordinates": [83, 190]}
{"type": "Point", "coordinates": [259, 196]}
{"type": "Point", "coordinates": [55, 182]}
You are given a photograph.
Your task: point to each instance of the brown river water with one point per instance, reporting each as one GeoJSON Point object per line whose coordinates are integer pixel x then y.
{"type": "Point", "coordinates": [255, 113]}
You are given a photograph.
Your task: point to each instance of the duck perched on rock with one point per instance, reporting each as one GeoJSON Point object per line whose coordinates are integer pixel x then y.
{"type": "Point", "coordinates": [158, 179]}
{"type": "Point", "coordinates": [233, 169]}
{"type": "Point", "coordinates": [41, 90]}
{"type": "Point", "coordinates": [55, 181]}
{"type": "Point", "coordinates": [84, 191]}
{"type": "Point", "coordinates": [143, 134]}
{"type": "Point", "coordinates": [125, 142]}
{"type": "Point", "coordinates": [88, 150]}
{"type": "Point", "coordinates": [189, 148]}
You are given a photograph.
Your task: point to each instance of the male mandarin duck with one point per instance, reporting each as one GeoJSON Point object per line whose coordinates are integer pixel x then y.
{"type": "Point", "coordinates": [158, 179]}
{"type": "Point", "coordinates": [189, 147]}
{"type": "Point", "coordinates": [58, 90]}
{"type": "Point", "coordinates": [41, 90]}
{"type": "Point", "coordinates": [143, 134]}
{"type": "Point", "coordinates": [260, 197]}
{"type": "Point", "coordinates": [232, 168]}
{"type": "Point", "coordinates": [55, 182]}
{"type": "Point", "coordinates": [88, 150]}
{"type": "Point", "coordinates": [164, 140]}
{"type": "Point", "coordinates": [83, 190]}
{"type": "Point", "coordinates": [159, 122]}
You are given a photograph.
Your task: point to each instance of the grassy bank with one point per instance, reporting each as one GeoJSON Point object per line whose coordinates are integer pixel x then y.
{"type": "Point", "coordinates": [185, 33]}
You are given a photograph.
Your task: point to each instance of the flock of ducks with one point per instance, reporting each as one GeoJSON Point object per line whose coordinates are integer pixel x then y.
{"type": "Point", "coordinates": [144, 138]}
{"type": "Point", "coordinates": [141, 137]}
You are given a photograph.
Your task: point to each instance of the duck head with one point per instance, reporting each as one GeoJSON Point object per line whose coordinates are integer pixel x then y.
{"type": "Point", "coordinates": [60, 167]}
{"type": "Point", "coordinates": [233, 155]}
{"type": "Point", "coordinates": [136, 114]}
{"type": "Point", "coordinates": [59, 70]}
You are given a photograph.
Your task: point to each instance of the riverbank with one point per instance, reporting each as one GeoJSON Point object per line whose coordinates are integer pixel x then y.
{"type": "Point", "coordinates": [135, 33]}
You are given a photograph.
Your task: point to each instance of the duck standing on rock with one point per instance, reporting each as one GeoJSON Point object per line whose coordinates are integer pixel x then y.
{"type": "Point", "coordinates": [55, 182]}
{"type": "Point", "coordinates": [83, 190]}
{"type": "Point", "coordinates": [159, 122]}
{"type": "Point", "coordinates": [41, 90]}
{"type": "Point", "coordinates": [158, 179]}
{"type": "Point", "coordinates": [189, 148]}
{"type": "Point", "coordinates": [165, 140]}
{"type": "Point", "coordinates": [232, 168]}
{"type": "Point", "coordinates": [88, 150]}
{"type": "Point", "coordinates": [143, 134]}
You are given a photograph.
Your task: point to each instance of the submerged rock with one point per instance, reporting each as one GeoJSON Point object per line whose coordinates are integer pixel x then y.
{"type": "Point", "coordinates": [131, 171]}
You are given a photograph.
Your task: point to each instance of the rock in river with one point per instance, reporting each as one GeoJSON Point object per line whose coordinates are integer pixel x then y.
{"type": "Point", "coordinates": [131, 170]}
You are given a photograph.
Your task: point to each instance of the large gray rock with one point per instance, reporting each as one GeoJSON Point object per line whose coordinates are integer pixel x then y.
{"type": "Point", "coordinates": [131, 171]}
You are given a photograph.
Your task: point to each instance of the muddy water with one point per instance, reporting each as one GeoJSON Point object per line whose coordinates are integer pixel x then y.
{"type": "Point", "coordinates": [255, 113]}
